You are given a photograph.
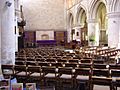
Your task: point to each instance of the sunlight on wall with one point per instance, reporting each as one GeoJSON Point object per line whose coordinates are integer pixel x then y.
{"type": "Point", "coordinates": [24, 1]}
{"type": "Point", "coordinates": [70, 3]}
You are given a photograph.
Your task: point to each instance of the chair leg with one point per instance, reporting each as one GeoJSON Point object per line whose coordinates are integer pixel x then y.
{"type": "Point", "coordinates": [90, 85]}
{"type": "Point", "coordinates": [113, 87]}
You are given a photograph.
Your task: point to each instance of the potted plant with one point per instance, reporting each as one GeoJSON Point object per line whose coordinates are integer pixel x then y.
{"type": "Point", "coordinates": [92, 39]}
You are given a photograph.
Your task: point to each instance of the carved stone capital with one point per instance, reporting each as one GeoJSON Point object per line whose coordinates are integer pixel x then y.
{"type": "Point", "coordinates": [91, 21]}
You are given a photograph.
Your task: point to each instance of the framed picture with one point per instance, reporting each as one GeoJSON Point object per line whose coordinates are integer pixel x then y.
{"type": "Point", "coordinates": [30, 86]}
{"type": "Point", "coordinates": [17, 86]}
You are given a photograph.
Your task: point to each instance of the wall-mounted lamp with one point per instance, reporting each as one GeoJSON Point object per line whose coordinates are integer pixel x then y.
{"type": "Point", "coordinates": [8, 3]}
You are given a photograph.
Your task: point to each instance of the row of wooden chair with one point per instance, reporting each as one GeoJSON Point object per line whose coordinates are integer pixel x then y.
{"type": "Point", "coordinates": [43, 53]}
{"type": "Point", "coordinates": [98, 74]}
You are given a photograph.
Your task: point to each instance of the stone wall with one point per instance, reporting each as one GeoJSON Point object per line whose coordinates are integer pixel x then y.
{"type": "Point", "coordinates": [44, 14]}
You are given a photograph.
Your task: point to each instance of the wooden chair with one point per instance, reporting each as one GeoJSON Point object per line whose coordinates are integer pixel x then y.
{"type": "Point", "coordinates": [98, 61]}
{"type": "Point", "coordinates": [101, 76]}
{"type": "Point", "coordinates": [70, 65]}
{"type": "Point", "coordinates": [30, 59]}
{"type": "Point", "coordinates": [84, 65]}
{"type": "Point", "coordinates": [31, 63]}
{"type": "Point", "coordinates": [20, 72]}
{"type": "Point", "coordinates": [82, 75]}
{"type": "Point", "coordinates": [115, 75]}
{"type": "Point", "coordinates": [66, 78]}
{"type": "Point", "coordinates": [50, 75]}
{"type": "Point", "coordinates": [85, 60]}
{"type": "Point", "coordinates": [20, 62]}
{"type": "Point", "coordinates": [22, 58]}
{"type": "Point", "coordinates": [73, 60]}
{"type": "Point", "coordinates": [100, 66]}
{"type": "Point", "coordinates": [35, 74]}
{"type": "Point", "coordinates": [43, 64]}
{"type": "Point", "coordinates": [40, 59]}
{"type": "Point", "coordinates": [62, 60]}
{"type": "Point", "coordinates": [8, 71]}
{"type": "Point", "coordinates": [50, 59]}
{"type": "Point", "coordinates": [56, 64]}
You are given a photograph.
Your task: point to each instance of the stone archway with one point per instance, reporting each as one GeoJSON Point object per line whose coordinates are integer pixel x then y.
{"type": "Point", "coordinates": [98, 22]}
{"type": "Point", "coordinates": [102, 24]}
{"type": "Point", "coordinates": [70, 27]}
{"type": "Point", "coordinates": [81, 20]}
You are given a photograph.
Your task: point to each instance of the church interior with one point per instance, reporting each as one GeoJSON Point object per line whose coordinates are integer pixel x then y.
{"type": "Point", "coordinates": [59, 44]}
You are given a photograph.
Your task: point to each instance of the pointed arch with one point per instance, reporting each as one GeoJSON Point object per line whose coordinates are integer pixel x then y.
{"type": "Point", "coordinates": [94, 6]}
{"type": "Point", "coordinates": [101, 15]}
{"type": "Point", "coordinates": [81, 21]}
{"type": "Point", "coordinates": [81, 14]}
{"type": "Point", "coordinates": [98, 12]}
{"type": "Point", "coordinates": [70, 25]}
{"type": "Point", "coordinates": [116, 5]}
{"type": "Point", "coordinates": [70, 19]}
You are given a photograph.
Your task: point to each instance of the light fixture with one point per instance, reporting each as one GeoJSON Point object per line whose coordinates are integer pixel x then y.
{"type": "Point", "coordinates": [8, 3]}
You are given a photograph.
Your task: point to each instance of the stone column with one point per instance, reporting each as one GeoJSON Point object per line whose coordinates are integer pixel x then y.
{"type": "Point", "coordinates": [0, 40]}
{"type": "Point", "coordinates": [69, 34]}
{"type": "Point", "coordinates": [114, 29]}
{"type": "Point", "coordinates": [8, 32]}
{"type": "Point", "coordinates": [93, 30]}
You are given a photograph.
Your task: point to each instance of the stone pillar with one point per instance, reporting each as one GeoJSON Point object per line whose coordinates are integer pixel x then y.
{"type": "Point", "coordinates": [8, 32]}
{"type": "Point", "coordinates": [69, 35]}
{"type": "Point", "coordinates": [114, 29]}
{"type": "Point", "coordinates": [0, 40]}
{"type": "Point", "coordinates": [93, 31]}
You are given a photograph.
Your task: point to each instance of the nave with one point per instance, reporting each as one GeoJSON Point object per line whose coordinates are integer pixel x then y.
{"type": "Point", "coordinates": [59, 44]}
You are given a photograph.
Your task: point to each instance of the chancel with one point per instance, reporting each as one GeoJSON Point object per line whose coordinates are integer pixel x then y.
{"type": "Point", "coordinates": [60, 44]}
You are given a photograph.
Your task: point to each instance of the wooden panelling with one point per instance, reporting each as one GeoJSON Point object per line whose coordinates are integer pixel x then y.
{"type": "Point", "coordinates": [60, 37]}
